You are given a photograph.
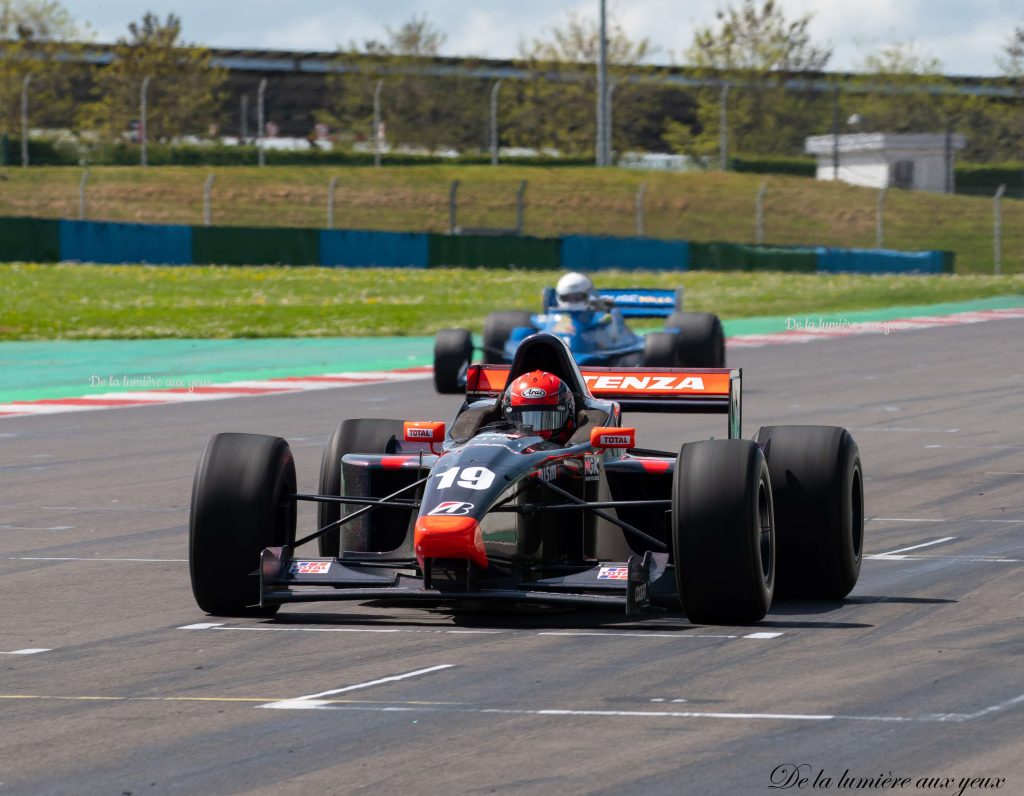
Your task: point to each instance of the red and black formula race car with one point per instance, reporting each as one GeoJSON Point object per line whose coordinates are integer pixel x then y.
{"type": "Point", "coordinates": [489, 510]}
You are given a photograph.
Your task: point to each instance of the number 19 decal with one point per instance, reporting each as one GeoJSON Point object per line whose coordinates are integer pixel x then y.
{"type": "Point", "coordinates": [468, 477]}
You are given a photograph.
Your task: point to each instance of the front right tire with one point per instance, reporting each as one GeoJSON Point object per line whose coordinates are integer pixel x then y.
{"type": "Point", "coordinates": [242, 502]}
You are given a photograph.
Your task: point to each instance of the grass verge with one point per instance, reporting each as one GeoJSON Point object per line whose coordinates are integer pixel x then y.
{"type": "Point", "coordinates": [46, 302]}
{"type": "Point", "coordinates": [703, 206]}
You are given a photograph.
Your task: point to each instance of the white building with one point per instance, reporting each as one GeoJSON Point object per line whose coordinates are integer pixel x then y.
{"type": "Point", "coordinates": [918, 161]}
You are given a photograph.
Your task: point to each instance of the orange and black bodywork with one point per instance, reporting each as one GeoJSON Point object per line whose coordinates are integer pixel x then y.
{"type": "Point", "coordinates": [497, 512]}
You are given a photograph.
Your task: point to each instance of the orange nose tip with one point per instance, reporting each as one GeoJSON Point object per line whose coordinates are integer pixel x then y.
{"type": "Point", "coordinates": [449, 537]}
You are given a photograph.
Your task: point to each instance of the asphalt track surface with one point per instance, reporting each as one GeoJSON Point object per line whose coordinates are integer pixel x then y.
{"type": "Point", "coordinates": [917, 674]}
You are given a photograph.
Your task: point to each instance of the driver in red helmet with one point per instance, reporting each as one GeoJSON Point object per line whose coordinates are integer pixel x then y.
{"type": "Point", "coordinates": [542, 404]}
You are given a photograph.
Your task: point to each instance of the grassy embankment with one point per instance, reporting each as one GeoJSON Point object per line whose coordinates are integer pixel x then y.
{"type": "Point", "coordinates": [697, 206]}
{"type": "Point", "coordinates": [39, 302]}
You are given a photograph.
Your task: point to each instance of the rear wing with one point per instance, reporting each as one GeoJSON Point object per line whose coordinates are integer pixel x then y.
{"type": "Point", "coordinates": [632, 302]}
{"type": "Point", "coordinates": [672, 390]}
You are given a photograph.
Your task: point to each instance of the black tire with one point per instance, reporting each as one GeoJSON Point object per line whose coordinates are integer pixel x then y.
{"type": "Point", "coordinates": [497, 329]}
{"type": "Point", "coordinates": [351, 436]}
{"type": "Point", "coordinates": [241, 503]}
{"type": "Point", "coordinates": [701, 339]}
{"type": "Point", "coordinates": [453, 351]}
{"type": "Point", "coordinates": [661, 350]}
{"type": "Point", "coordinates": [723, 534]}
{"type": "Point", "coordinates": [819, 509]}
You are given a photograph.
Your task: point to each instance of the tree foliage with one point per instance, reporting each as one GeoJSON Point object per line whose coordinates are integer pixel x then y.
{"type": "Point", "coordinates": [418, 108]}
{"type": "Point", "coordinates": [34, 34]}
{"type": "Point", "coordinates": [184, 94]}
{"type": "Point", "coordinates": [755, 50]}
{"type": "Point", "coordinates": [558, 108]}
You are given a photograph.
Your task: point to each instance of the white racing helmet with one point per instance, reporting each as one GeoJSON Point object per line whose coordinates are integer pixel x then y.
{"type": "Point", "coordinates": [574, 291]}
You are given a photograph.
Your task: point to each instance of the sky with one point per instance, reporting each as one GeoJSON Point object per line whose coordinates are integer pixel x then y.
{"type": "Point", "coordinates": [966, 37]}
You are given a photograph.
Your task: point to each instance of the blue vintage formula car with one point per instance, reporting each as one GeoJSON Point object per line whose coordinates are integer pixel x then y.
{"type": "Point", "coordinates": [596, 336]}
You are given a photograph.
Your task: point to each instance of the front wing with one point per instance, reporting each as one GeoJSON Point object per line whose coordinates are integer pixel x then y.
{"type": "Point", "coordinates": [629, 585]}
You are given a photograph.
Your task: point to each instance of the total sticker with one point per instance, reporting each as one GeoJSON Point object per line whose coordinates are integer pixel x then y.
{"type": "Point", "coordinates": [613, 573]}
{"type": "Point", "coordinates": [310, 567]}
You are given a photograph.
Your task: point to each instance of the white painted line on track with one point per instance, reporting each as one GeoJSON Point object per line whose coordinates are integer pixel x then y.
{"type": "Point", "coordinates": [762, 635]}
{"type": "Point", "coordinates": [916, 546]}
{"type": "Point", "coordinates": [101, 560]}
{"type": "Point", "coordinates": [980, 447]}
{"type": "Point", "coordinates": [614, 634]}
{"type": "Point", "coordinates": [900, 429]}
{"type": "Point", "coordinates": [905, 519]}
{"type": "Point", "coordinates": [201, 626]}
{"type": "Point", "coordinates": [36, 528]}
{"type": "Point", "coordinates": [967, 559]}
{"type": "Point", "coordinates": [998, 472]}
{"type": "Point", "coordinates": [313, 701]}
{"type": "Point", "coordinates": [27, 651]}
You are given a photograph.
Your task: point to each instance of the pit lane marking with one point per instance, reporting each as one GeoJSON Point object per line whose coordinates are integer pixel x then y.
{"type": "Point", "coordinates": [27, 651]}
{"type": "Point", "coordinates": [314, 701]}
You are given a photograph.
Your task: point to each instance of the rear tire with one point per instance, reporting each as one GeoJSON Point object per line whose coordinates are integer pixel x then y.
{"type": "Point", "coordinates": [498, 328]}
{"type": "Point", "coordinates": [351, 436]}
{"type": "Point", "coordinates": [723, 533]}
{"type": "Point", "coordinates": [453, 351]}
{"type": "Point", "coordinates": [661, 350]}
{"type": "Point", "coordinates": [241, 503]}
{"type": "Point", "coordinates": [701, 339]}
{"type": "Point", "coordinates": [819, 509]}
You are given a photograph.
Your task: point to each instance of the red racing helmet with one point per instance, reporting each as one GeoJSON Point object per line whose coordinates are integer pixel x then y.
{"type": "Point", "coordinates": [541, 403]}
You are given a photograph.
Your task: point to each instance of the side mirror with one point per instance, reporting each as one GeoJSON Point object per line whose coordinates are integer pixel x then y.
{"type": "Point", "coordinates": [423, 431]}
{"type": "Point", "coordinates": [611, 437]}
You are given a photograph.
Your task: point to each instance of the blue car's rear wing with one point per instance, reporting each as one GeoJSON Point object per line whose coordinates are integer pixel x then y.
{"type": "Point", "coordinates": [633, 302]}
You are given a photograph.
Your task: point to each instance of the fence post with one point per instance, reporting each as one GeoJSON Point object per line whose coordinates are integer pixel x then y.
{"type": "Point", "coordinates": [520, 206]}
{"type": "Point", "coordinates": [997, 238]}
{"type": "Point", "coordinates": [453, 207]}
{"type": "Point", "coordinates": [81, 195]}
{"type": "Point", "coordinates": [376, 122]}
{"type": "Point", "coordinates": [24, 119]}
{"type": "Point", "coordinates": [207, 200]}
{"type": "Point", "coordinates": [640, 193]}
{"type": "Point", "coordinates": [143, 134]}
{"type": "Point", "coordinates": [261, 125]}
{"type": "Point", "coordinates": [723, 128]}
{"type": "Point", "coordinates": [494, 122]}
{"type": "Point", "coordinates": [880, 219]}
{"type": "Point", "coordinates": [759, 213]}
{"type": "Point", "coordinates": [243, 117]}
{"type": "Point", "coordinates": [330, 202]}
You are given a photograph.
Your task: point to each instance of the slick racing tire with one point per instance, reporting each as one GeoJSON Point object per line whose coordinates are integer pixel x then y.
{"type": "Point", "coordinates": [351, 436]}
{"type": "Point", "coordinates": [819, 509]}
{"type": "Point", "coordinates": [723, 533]}
{"type": "Point", "coordinates": [661, 350]}
{"type": "Point", "coordinates": [453, 351]}
{"type": "Point", "coordinates": [242, 501]}
{"type": "Point", "coordinates": [701, 339]}
{"type": "Point", "coordinates": [498, 328]}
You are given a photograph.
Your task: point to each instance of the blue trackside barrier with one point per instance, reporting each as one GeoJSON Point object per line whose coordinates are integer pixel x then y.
{"type": "Point", "coordinates": [880, 261]}
{"type": "Point", "coordinates": [109, 242]}
{"type": "Point", "coordinates": [592, 253]}
{"type": "Point", "coordinates": [358, 248]}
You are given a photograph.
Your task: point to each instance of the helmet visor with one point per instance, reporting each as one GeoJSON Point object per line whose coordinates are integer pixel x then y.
{"type": "Point", "coordinates": [547, 419]}
{"type": "Point", "coordinates": [573, 298]}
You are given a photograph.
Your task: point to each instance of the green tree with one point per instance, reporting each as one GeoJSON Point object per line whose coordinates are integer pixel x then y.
{"type": "Point", "coordinates": [755, 49]}
{"type": "Point", "coordinates": [185, 90]}
{"type": "Point", "coordinates": [35, 38]}
{"type": "Point", "coordinates": [558, 107]}
{"type": "Point", "coordinates": [418, 107]}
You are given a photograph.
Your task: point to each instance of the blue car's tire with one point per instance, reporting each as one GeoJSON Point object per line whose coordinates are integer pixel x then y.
{"type": "Point", "coordinates": [498, 328]}
{"type": "Point", "coordinates": [701, 339]}
{"type": "Point", "coordinates": [661, 350]}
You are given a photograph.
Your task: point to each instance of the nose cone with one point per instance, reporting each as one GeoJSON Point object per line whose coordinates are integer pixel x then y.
{"type": "Point", "coordinates": [449, 537]}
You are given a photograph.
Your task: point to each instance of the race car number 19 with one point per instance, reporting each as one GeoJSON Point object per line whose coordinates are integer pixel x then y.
{"type": "Point", "coordinates": [468, 477]}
